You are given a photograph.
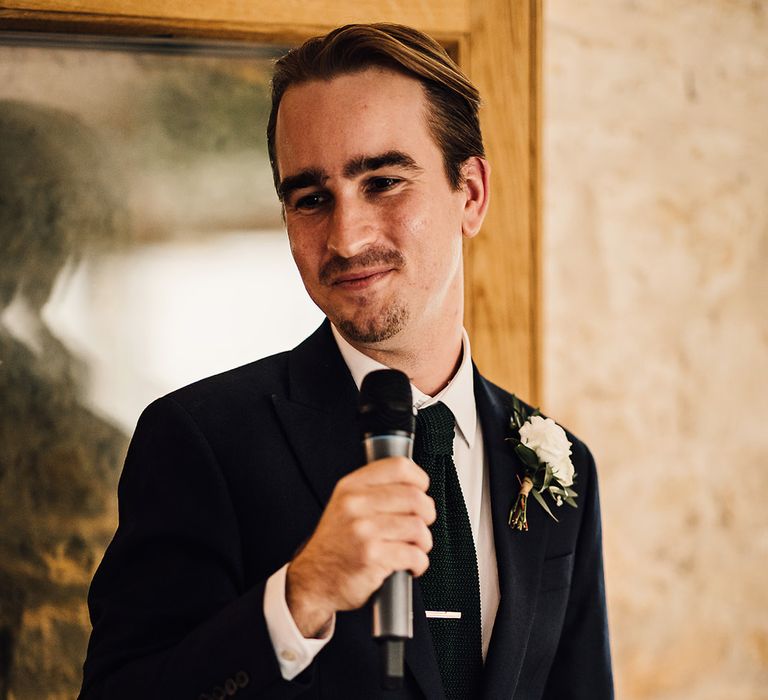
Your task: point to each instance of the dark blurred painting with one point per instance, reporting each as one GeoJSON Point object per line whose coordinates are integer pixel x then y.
{"type": "Point", "coordinates": [141, 248]}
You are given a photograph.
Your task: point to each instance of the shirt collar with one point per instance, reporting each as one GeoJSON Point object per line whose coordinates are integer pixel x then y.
{"type": "Point", "coordinates": [458, 395]}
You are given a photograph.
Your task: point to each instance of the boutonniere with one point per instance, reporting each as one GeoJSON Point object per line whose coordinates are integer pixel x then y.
{"type": "Point", "coordinates": [544, 451]}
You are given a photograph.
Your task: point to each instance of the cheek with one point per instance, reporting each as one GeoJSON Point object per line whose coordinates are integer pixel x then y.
{"type": "Point", "coordinates": [440, 215]}
{"type": "Point", "coordinates": [408, 221]}
{"type": "Point", "coordinates": [306, 267]}
{"type": "Point", "coordinates": [433, 232]}
{"type": "Point", "coordinates": [304, 248]}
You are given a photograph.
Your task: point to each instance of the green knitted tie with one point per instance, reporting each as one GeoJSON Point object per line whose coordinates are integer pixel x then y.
{"type": "Point", "coordinates": [451, 583]}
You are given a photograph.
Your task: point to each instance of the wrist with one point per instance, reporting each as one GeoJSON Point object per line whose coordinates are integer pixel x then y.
{"type": "Point", "coordinates": [311, 612]}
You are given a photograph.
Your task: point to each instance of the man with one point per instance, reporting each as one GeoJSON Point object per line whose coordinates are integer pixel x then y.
{"type": "Point", "coordinates": [250, 538]}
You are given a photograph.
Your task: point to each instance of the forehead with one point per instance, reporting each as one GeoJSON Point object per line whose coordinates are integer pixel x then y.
{"type": "Point", "coordinates": [323, 123]}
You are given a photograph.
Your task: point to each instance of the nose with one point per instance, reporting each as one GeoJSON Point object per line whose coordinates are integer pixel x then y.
{"type": "Point", "coordinates": [351, 228]}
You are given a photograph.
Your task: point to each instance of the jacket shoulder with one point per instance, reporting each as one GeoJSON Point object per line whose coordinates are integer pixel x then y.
{"type": "Point", "coordinates": [505, 398]}
{"type": "Point", "coordinates": [229, 392]}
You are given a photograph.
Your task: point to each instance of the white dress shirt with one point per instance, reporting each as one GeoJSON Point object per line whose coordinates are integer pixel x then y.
{"type": "Point", "coordinates": [295, 652]}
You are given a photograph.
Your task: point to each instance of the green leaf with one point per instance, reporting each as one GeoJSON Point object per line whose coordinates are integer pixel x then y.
{"type": "Point", "coordinates": [548, 476]}
{"type": "Point", "coordinates": [516, 411]}
{"type": "Point", "coordinates": [527, 455]}
{"type": "Point", "coordinates": [570, 492]}
{"type": "Point", "coordinates": [570, 502]}
{"type": "Point", "coordinates": [544, 505]}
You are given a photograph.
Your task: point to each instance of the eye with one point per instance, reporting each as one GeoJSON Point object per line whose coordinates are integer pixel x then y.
{"type": "Point", "coordinates": [381, 184]}
{"type": "Point", "coordinates": [311, 201]}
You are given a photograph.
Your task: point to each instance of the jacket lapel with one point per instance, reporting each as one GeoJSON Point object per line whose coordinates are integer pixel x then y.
{"type": "Point", "coordinates": [320, 420]}
{"type": "Point", "coordinates": [319, 415]}
{"type": "Point", "coordinates": [519, 555]}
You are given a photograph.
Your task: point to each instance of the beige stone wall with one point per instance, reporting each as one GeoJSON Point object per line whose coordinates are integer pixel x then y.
{"type": "Point", "coordinates": [656, 323]}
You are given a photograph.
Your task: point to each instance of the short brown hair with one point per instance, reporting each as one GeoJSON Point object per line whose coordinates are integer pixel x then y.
{"type": "Point", "coordinates": [453, 100]}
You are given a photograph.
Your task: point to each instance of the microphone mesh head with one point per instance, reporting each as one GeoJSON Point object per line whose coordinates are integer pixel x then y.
{"type": "Point", "coordinates": [386, 403]}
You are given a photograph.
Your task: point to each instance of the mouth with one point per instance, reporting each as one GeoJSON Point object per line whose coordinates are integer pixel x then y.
{"type": "Point", "coordinates": [360, 279]}
{"type": "Point", "coordinates": [369, 268]}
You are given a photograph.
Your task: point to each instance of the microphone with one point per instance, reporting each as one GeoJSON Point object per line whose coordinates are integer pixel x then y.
{"type": "Point", "coordinates": [388, 424]}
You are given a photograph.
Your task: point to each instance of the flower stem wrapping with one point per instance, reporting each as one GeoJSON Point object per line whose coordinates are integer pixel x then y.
{"type": "Point", "coordinates": [543, 453]}
{"type": "Point", "coordinates": [518, 516]}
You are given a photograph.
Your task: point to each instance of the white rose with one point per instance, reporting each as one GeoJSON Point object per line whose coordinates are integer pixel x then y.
{"type": "Point", "coordinates": [563, 471]}
{"type": "Point", "coordinates": [550, 443]}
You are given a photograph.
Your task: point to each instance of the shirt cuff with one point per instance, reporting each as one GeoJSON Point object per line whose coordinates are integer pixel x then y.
{"type": "Point", "coordinates": [294, 652]}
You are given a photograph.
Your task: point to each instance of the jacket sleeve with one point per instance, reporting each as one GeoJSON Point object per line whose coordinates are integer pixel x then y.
{"type": "Point", "coordinates": [171, 614]}
{"type": "Point", "coordinates": [582, 663]}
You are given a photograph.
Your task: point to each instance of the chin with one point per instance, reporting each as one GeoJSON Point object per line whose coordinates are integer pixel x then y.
{"type": "Point", "coordinates": [373, 330]}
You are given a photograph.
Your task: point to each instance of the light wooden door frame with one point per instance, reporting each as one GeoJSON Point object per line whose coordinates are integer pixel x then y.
{"type": "Point", "coordinates": [497, 43]}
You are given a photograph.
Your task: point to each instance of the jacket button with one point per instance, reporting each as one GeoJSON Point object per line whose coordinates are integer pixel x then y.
{"type": "Point", "coordinates": [242, 679]}
{"type": "Point", "coordinates": [230, 686]}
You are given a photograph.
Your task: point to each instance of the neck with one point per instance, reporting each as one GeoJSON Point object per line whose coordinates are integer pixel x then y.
{"type": "Point", "coordinates": [429, 364]}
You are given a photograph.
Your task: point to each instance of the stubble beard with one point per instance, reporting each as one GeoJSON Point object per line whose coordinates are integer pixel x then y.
{"type": "Point", "coordinates": [374, 330]}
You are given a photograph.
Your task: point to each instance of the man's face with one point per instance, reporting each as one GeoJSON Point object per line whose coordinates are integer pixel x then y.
{"type": "Point", "coordinates": [374, 226]}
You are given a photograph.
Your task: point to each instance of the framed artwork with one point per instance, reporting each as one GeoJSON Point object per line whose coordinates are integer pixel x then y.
{"type": "Point", "coordinates": [141, 247]}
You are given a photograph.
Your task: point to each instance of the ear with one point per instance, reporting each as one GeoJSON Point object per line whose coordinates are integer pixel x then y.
{"type": "Point", "coordinates": [477, 188]}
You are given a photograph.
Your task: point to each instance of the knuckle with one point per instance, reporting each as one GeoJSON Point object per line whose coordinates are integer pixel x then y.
{"type": "Point", "coordinates": [342, 484]}
{"type": "Point", "coordinates": [421, 563]}
{"type": "Point", "coordinates": [359, 528]}
{"type": "Point", "coordinates": [401, 467]}
{"type": "Point", "coordinates": [428, 541]}
{"type": "Point", "coordinates": [418, 504]}
{"type": "Point", "coordinates": [414, 499]}
{"type": "Point", "coordinates": [419, 529]}
{"type": "Point", "coordinates": [348, 502]}
{"type": "Point", "coordinates": [369, 553]}
{"type": "Point", "coordinates": [429, 509]}
{"type": "Point", "coordinates": [422, 478]}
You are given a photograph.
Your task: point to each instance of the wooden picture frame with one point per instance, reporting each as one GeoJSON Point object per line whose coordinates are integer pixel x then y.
{"type": "Point", "coordinates": [497, 43]}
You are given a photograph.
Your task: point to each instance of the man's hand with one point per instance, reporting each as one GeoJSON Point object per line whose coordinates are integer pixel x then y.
{"type": "Point", "coordinates": [376, 522]}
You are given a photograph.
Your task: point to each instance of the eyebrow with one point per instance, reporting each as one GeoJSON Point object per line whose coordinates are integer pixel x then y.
{"type": "Point", "coordinates": [364, 164]}
{"type": "Point", "coordinates": [315, 177]}
{"type": "Point", "coordinates": [311, 177]}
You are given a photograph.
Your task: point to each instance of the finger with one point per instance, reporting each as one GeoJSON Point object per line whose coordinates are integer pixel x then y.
{"type": "Point", "coordinates": [398, 556]}
{"type": "Point", "coordinates": [397, 499]}
{"type": "Point", "coordinates": [392, 470]}
{"type": "Point", "coordinates": [393, 499]}
{"type": "Point", "coordinates": [408, 529]}
{"type": "Point", "coordinates": [385, 498]}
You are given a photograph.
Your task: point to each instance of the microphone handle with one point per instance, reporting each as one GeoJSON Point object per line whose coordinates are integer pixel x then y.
{"type": "Point", "coordinates": [392, 603]}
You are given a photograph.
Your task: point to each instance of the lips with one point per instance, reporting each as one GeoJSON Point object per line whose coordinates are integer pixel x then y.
{"type": "Point", "coordinates": [362, 269]}
{"type": "Point", "coordinates": [360, 278]}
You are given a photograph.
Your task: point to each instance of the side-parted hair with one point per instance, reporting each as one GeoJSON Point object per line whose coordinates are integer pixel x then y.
{"type": "Point", "coordinates": [453, 101]}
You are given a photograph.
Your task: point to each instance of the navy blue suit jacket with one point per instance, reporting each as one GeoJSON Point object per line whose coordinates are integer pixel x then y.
{"type": "Point", "coordinates": [223, 482]}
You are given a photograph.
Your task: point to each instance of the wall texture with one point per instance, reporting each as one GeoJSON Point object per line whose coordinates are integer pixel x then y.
{"type": "Point", "coordinates": [656, 323]}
